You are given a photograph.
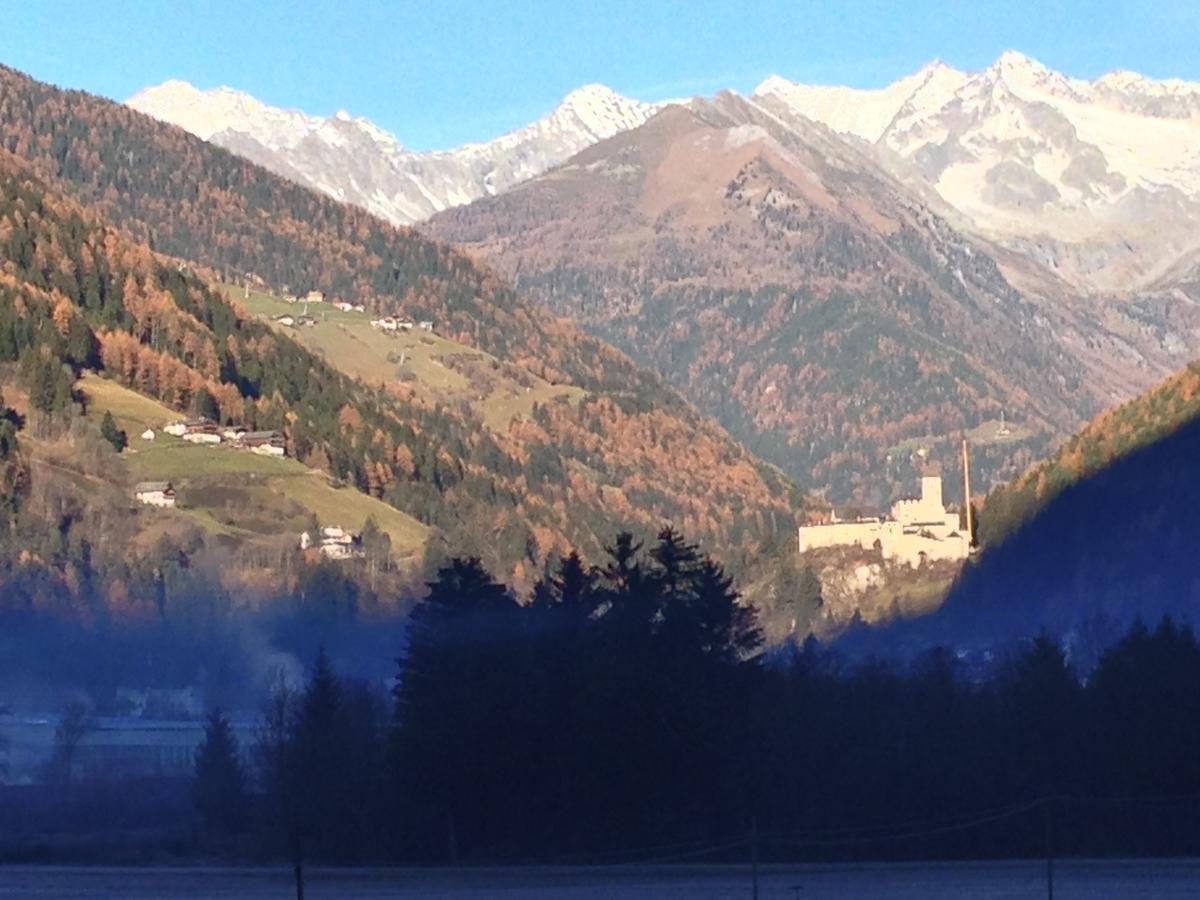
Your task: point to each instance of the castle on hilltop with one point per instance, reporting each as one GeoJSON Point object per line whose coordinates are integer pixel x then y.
{"type": "Point", "coordinates": [919, 529]}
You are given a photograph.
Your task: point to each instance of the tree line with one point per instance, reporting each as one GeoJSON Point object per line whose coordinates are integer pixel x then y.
{"type": "Point", "coordinates": [632, 705]}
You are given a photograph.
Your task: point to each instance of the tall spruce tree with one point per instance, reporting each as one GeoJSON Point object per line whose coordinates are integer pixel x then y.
{"type": "Point", "coordinates": [219, 786]}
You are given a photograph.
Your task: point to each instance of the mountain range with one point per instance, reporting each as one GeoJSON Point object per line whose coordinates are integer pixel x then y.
{"type": "Point", "coordinates": [843, 278]}
{"type": "Point", "coordinates": [1098, 180]}
{"type": "Point", "coordinates": [687, 313]}
{"type": "Point", "coordinates": [790, 287]}
{"type": "Point", "coordinates": [355, 161]}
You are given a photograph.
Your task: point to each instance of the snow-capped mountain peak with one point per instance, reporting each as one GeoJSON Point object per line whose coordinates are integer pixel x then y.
{"type": "Point", "coordinates": [1086, 171]}
{"type": "Point", "coordinates": [353, 159]}
{"type": "Point", "coordinates": [1013, 61]}
{"type": "Point", "coordinates": [203, 113]}
{"type": "Point", "coordinates": [867, 113]}
{"type": "Point", "coordinates": [601, 111]}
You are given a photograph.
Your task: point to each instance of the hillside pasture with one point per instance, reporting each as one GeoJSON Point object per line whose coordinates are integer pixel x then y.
{"type": "Point", "coordinates": [435, 368]}
{"type": "Point", "coordinates": [234, 493]}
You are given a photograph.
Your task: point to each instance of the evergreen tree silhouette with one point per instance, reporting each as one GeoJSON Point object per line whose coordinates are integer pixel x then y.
{"type": "Point", "coordinates": [219, 786]}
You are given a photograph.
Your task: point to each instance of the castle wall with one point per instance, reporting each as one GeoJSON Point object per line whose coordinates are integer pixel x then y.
{"type": "Point", "coordinates": [839, 534]}
{"type": "Point", "coordinates": [909, 548]}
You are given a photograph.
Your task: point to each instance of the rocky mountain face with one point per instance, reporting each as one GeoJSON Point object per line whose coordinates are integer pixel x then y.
{"type": "Point", "coordinates": [1098, 180]}
{"type": "Point", "coordinates": [790, 286]}
{"type": "Point", "coordinates": [357, 162]}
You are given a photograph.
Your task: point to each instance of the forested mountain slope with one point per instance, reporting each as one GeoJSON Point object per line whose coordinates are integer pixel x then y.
{"type": "Point", "coordinates": [1115, 433]}
{"type": "Point", "coordinates": [1114, 547]}
{"type": "Point", "coordinates": [187, 198]}
{"type": "Point", "coordinates": [77, 291]}
{"type": "Point", "coordinates": [786, 284]}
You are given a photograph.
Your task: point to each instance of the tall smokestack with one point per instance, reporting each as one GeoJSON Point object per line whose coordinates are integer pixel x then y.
{"type": "Point", "coordinates": [966, 454]}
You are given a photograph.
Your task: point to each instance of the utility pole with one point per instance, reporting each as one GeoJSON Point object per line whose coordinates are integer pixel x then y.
{"type": "Point", "coordinates": [754, 857]}
{"type": "Point", "coordinates": [1049, 816]}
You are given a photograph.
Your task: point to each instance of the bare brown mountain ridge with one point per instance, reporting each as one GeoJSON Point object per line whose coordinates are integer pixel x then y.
{"type": "Point", "coordinates": [830, 316]}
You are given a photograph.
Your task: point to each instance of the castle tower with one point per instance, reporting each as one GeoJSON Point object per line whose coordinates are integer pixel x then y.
{"type": "Point", "coordinates": [931, 490]}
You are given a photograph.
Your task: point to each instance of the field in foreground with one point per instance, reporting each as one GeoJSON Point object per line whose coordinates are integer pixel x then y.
{"type": "Point", "coordinates": [1074, 880]}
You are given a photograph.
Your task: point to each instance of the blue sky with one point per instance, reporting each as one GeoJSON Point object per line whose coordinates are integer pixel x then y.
{"type": "Point", "coordinates": [443, 72]}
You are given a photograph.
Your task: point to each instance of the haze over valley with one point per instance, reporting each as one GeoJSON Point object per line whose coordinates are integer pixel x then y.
{"type": "Point", "coordinates": [795, 475]}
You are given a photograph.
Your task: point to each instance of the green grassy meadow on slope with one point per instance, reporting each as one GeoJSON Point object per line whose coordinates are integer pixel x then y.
{"type": "Point", "coordinates": [238, 494]}
{"type": "Point", "coordinates": [437, 369]}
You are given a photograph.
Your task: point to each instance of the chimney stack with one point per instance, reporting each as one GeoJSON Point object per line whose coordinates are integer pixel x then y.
{"type": "Point", "coordinates": [966, 455]}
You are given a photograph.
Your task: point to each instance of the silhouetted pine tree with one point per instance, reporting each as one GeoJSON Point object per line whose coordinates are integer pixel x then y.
{"type": "Point", "coordinates": [219, 787]}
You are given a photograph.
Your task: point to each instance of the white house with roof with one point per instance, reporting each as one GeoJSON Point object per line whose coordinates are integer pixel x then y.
{"type": "Point", "coordinates": [333, 542]}
{"type": "Point", "coordinates": [264, 443]}
{"type": "Point", "coordinates": [155, 493]}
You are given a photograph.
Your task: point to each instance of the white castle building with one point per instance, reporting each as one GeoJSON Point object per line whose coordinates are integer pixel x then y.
{"type": "Point", "coordinates": [919, 530]}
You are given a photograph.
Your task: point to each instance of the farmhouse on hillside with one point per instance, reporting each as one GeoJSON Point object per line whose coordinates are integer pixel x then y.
{"type": "Point", "coordinates": [155, 493]}
{"type": "Point", "coordinates": [180, 428]}
{"type": "Point", "coordinates": [333, 542]}
{"type": "Point", "coordinates": [195, 431]}
{"type": "Point", "coordinates": [264, 443]}
{"type": "Point", "coordinates": [208, 433]}
{"type": "Point", "coordinates": [391, 324]}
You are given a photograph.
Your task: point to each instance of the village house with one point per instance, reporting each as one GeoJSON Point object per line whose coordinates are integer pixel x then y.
{"type": "Point", "coordinates": [195, 431]}
{"type": "Point", "coordinates": [155, 493]}
{"type": "Point", "coordinates": [343, 305]}
{"type": "Point", "coordinates": [264, 443]}
{"type": "Point", "coordinates": [426, 326]}
{"type": "Point", "coordinates": [387, 323]}
{"type": "Point", "coordinates": [286, 319]}
{"type": "Point", "coordinates": [314, 297]}
{"type": "Point", "coordinates": [305, 322]}
{"type": "Point", "coordinates": [333, 542]}
{"type": "Point", "coordinates": [206, 433]}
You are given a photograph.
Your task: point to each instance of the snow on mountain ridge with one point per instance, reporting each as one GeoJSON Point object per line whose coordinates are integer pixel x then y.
{"type": "Point", "coordinates": [1078, 173]}
{"type": "Point", "coordinates": [1079, 170]}
{"type": "Point", "coordinates": [356, 161]}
